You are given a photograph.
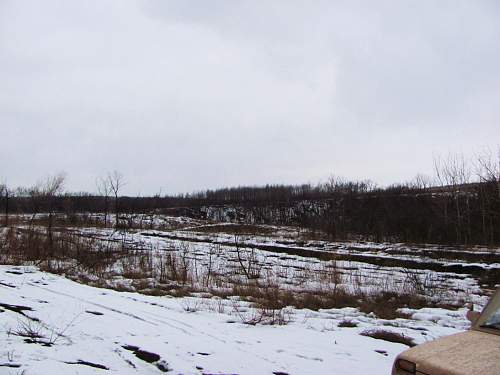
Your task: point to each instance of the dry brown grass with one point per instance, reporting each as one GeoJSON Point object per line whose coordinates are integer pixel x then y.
{"type": "Point", "coordinates": [381, 334]}
{"type": "Point", "coordinates": [116, 265]}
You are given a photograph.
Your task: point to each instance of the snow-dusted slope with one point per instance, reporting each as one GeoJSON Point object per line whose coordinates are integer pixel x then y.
{"type": "Point", "coordinates": [85, 328]}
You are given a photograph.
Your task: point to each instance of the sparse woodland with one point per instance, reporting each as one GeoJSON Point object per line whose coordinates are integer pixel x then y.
{"type": "Point", "coordinates": [459, 205]}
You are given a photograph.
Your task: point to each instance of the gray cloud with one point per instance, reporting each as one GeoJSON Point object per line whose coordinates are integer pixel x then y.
{"type": "Point", "coordinates": [185, 95]}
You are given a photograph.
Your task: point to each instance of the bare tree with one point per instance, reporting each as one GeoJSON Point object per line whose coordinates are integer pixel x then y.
{"type": "Point", "coordinates": [251, 269]}
{"type": "Point", "coordinates": [5, 193]}
{"type": "Point", "coordinates": [454, 173]}
{"type": "Point", "coordinates": [421, 182]}
{"type": "Point", "coordinates": [185, 262]}
{"type": "Point", "coordinates": [49, 189]}
{"type": "Point", "coordinates": [44, 194]}
{"type": "Point", "coordinates": [487, 168]}
{"type": "Point", "coordinates": [104, 190]}
{"type": "Point", "coordinates": [213, 251]}
{"type": "Point", "coordinates": [116, 182]}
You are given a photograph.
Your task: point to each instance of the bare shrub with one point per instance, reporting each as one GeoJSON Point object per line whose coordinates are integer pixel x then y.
{"type": "Point", "coordinates": [262, 315]}
{"type": "Point", "coordinates": [137, 265]}
{"type": "Point", "coordinates": [331, 274]}
{"type": "Point", "coordinates": [185, 262]}
{"type": "Point", "coordinates": [94, 257]}
{"type": "Point", "coordinates": [214, 250]}
{"type": "Point", "coordinates": [426, 285]}
{"type": "Point", "coordinates": [190, 304]}
{"type": "Point", "coordinates": [386, 304]}
{"type": "Point", "coordinates": [249, 264]}
{"type": "Point", "coordinates": [217, 305]}
{"type": "Point", "coordinates": [175, 266]}
{"type": "Point", "coordinates": [161, 268]}
{"type": "Point", "coordinates": [32, 329]}
{"type": "Point", "coordinates": [36, 332]}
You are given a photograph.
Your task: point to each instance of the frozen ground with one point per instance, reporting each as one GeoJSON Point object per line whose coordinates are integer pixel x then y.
{"type": "Point", "coordinates": [78, 329]}
{"type": "Point", "coordinates": [311, 266]}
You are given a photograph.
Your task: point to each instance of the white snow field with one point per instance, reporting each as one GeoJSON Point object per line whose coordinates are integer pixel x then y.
{"type": "Point", "coordinates": [52, 325]}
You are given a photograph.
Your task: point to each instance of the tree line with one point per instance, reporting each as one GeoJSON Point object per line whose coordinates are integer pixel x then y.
{"type": "Point", "coordinates": [459, 205]}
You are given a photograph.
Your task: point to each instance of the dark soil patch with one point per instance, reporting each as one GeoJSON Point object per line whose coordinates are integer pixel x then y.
{"type": "Point", "coordinates": [11, 365]}
{"type": "Point", "coordinates": [147, 356]}
{"type": "Point", "coordinates": [248, 229]}
{"type": "Point", "coordinates": [163, 366]}
{"type": "Point", "coordinates": [347, 324]}
{"type": "Point", "coordinates": [35, 341]}
{"type": "Point", "coordinates": [15, 272]}
{"type": "Point", "coordinates": [7, 285]}
{"type": "Point", "coordinates": [94, 312]}
{"type": "Point", "coordinates": [132, 348]}
{"type": "Point", "coordinates": [90, 364]}
{"type": "Point", "coordinates": [18, 309]}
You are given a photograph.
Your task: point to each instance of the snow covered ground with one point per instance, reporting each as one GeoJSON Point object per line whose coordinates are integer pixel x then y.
{"type": "Point", "coordinates": [303, 268]}
{"type": "Point", "coordinates": [51, 325]}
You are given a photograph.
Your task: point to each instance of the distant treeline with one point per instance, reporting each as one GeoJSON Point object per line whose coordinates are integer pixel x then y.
{"type": "Point", "coordinates": [447, 210]}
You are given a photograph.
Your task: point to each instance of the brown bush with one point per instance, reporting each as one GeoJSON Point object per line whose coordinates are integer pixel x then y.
{"type": "Point", "coordinates": [386, 304]}
{"type": "Point", "coordinates": [381, 334]}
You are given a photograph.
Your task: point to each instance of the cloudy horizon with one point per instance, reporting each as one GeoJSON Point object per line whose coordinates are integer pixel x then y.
{"type": "Point", "coordinates": [181, 96]}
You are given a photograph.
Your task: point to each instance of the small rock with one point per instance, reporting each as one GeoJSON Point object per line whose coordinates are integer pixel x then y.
{"type": "Point", "coordinates": [163, 366]}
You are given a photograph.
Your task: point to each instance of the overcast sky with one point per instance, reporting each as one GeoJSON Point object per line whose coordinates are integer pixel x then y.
{"type": "Point", "coordinates": [187, 95]}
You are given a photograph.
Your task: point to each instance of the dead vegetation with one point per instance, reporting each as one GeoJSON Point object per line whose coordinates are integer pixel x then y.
{"type": "Point", "coordinates": [390, 336]}
{"type": "Point", "coordinates": [34, 331]}
{"type": "Point", "coordinates": [118, 263]}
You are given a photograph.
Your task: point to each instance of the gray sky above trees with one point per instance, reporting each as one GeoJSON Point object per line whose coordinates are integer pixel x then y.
{"type": "Point", "coordinates": [186, 95]}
